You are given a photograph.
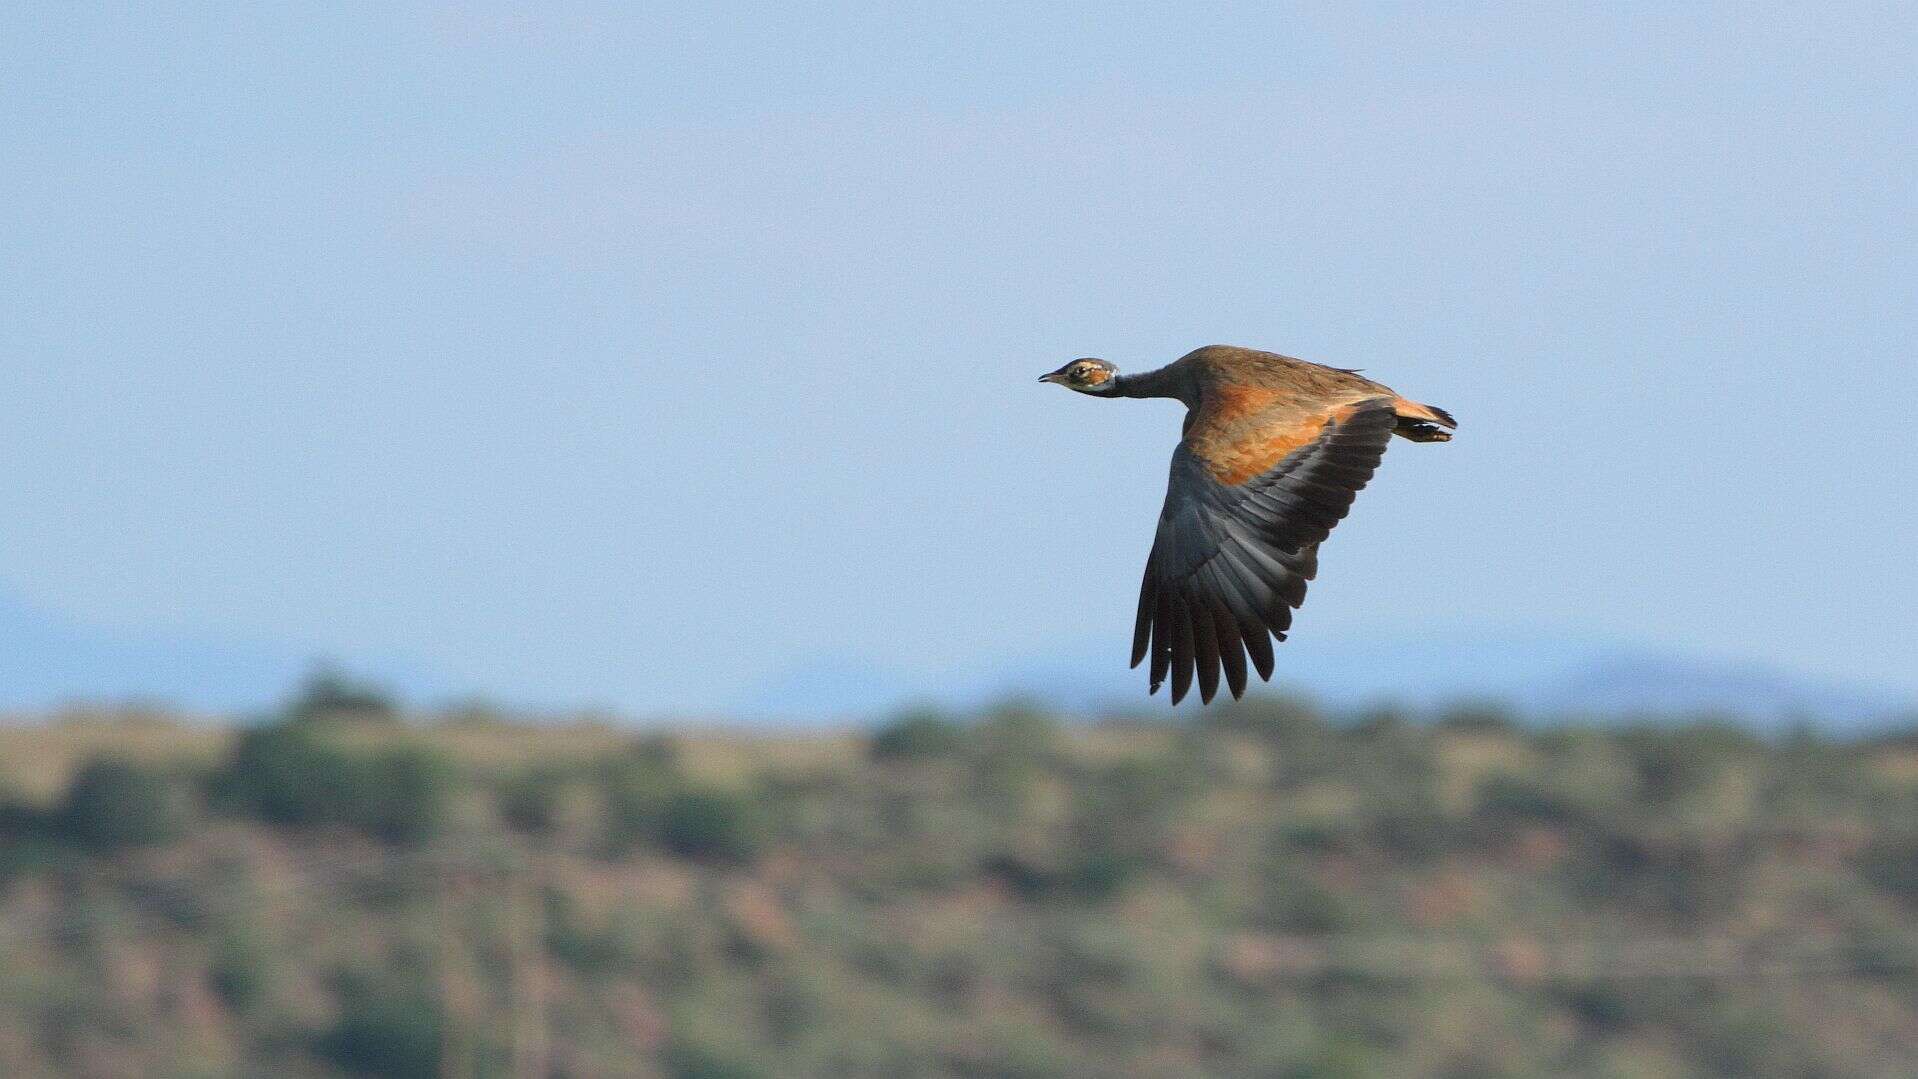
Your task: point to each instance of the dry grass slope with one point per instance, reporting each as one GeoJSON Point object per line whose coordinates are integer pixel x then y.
{"type": "Point", "coordinates": [1264, 893]}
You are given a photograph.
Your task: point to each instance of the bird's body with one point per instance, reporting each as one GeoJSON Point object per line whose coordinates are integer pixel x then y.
{"type": "Point", "coordinates": [1274, 450]}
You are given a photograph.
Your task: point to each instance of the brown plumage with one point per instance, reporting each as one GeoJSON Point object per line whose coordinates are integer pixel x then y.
{"type": "Point", "coordinates": [1274, 451]}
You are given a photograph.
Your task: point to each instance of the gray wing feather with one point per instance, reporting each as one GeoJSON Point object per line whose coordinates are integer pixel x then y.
{"type": "Point", "coordinates": [1229, 564]}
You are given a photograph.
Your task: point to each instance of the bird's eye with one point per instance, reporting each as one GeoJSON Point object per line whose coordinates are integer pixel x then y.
{"type": "Point", "coordinates": [1079, 373]}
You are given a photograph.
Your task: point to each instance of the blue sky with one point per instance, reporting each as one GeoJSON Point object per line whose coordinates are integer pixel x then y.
{"type": "Point", "coordinates": [635, 359]}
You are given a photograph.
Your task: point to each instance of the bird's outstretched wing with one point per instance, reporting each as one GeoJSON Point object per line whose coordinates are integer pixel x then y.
{"type": "Point", "coordinates": [1239, 537]}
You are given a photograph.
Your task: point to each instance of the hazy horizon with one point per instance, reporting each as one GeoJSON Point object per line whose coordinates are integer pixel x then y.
{"type": "Point", "coordinates": [632, 359]}
{"type": "Point", "coordinates": [53, 667]}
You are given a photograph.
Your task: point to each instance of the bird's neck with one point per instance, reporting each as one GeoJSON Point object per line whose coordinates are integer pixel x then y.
{"type": "Point", "coordinates": [1167, 381]}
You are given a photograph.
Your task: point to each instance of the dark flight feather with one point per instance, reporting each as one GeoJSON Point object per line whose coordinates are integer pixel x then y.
{"type": "Point", "coordinates": [1231, 562]}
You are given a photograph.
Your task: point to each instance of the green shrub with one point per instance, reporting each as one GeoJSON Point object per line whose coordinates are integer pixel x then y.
{"type": "Point", "coordinates": [1293, 902]}
{"type": "Point", "coordinates": [917, 735]}
{"type": "Point", "coordinates": [391, 1036]}
{"type": "Point", "coordinates": [1119, 825]}
{"type": "Point", "coordinates": [1100, 875]}
{"type": "Point", "coordinates": [1503, 800]}
{"type": "Point", "coordinates": [637, 785]}
{"type": "Point", "coordinates": [1081, 875]}
{"type": "Point", "coordinates": [1891, 864]}
{"type": "Point", "coordinates": [713, 824]}
{"type": "Point", "coordinates": [294, 774]}
{"type": "Point", "coordinates": [20, 819]}
{"type": "Point", "coordinates": [29, 840]}
{"type": "Point", "coordinates": [595, 948]}
{"type": "Point", "coordinates": [529, 800]}
{"type": "Point", "coordinates": [1676, 766]}
{"type": "Point", "coordinates": [328, 693]}
{"type": "Point", "coordinates": [1024, 876]}
{"type": "Point", "coordinates": [1414, 829]}
{"type": "Point", "coordinates": [240, 968]}
{"type": "Point", "coordinates": [409, 790]}
{"type": "Point", "coordinates": [1478, 717]}
{"type": "Point", "coordinates": [1384, 721]}
{"type": "Point", "coordinates": [115, 804]}
{"type": "Point", "coordinates": [690, 1060]}
{"type": "Point", "coordinates": [1809, 775]}
{"type": "Point", "coordinates": [286, 774]}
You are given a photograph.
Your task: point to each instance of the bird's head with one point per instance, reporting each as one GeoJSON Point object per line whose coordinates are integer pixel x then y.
{"type": "Point", "coordinates": [1086, 376]}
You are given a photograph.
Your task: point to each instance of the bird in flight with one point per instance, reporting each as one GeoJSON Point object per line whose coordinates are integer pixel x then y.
{"type": "Point", "coordinates": [1274, 451]}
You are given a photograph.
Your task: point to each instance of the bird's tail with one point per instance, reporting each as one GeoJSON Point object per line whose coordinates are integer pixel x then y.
{"type": "Point", "coordinates": [1422, 423]}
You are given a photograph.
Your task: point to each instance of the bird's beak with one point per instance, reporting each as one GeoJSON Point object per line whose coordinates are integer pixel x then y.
{"type": "Point", "coordinates": [1051, 377]}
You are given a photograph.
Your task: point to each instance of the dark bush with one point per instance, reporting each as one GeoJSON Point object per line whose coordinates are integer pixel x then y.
{"type": "Point", "coordinates": [1674, 766]}
{"type": "Point", "coordinates": [593, 947]}
{"type": "Point", "coordinates": [287, 774]}
{"type": "Point", "coordinates": [1509, 799]}
{"type": "Point", "coordinates": [1293, 902]}
{"type": "Point", "coordinates": [410, 789]}
{"type": "Point", "coordinates": [29, 840]}
{"type": "Point", "coordinates": [328, 693]}
{"type": "Point", "coordinates": [1121, 822]}
{"type": "Point", "coordinates": [1808, 775]}
{"type": "Point", "coordinates": [1026, 878]}
{"type": "Point", "coordinates": [1604, 1006]}
{"type": "Point", "coordinates": [1100, 875]}
{"type": "Point", "coordinates": [240, 968]}
{"type": "Point", "coordinates": [391, 1036]}
{"type": "Point", "coordinates": [1414, 829]}
{"type": "Point", "coordinates": [917, 735]}
{"type": "Point", "coordinates": [22, 821]}
{"type": "Point", "coordinates": [1083, 875]}
{"type": "Point", "coordinates": [637, 785]}
{"type": "Point", "coordinates": [529, 799]}
{"type": "Point", "coordinates": [116, 804]}
{"type": "Point", "coordinates": [1899, 733]}
{"type": "Point", "coordinates": [690, 1060]}
{"type": "Point", "coordinates": [1891, 863]}
{"type": "Point", "coordinates": [594, 951]}
{"type": "Point", "coordinates": [713, 824]}
{"type": "Point", "coordinates": [294, 774]}
{"type": "Point", "coordinates": [1478, 717]}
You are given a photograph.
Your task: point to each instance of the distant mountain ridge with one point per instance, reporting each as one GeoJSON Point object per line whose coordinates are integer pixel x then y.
{"type": "Point", "coordinates": [48, 662]}
{"type": "Point", "coordinates": [1540, 676]}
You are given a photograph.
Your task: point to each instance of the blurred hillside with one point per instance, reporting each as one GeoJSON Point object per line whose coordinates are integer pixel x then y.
{"type": "Point", "coordinates": [1268, 892]}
